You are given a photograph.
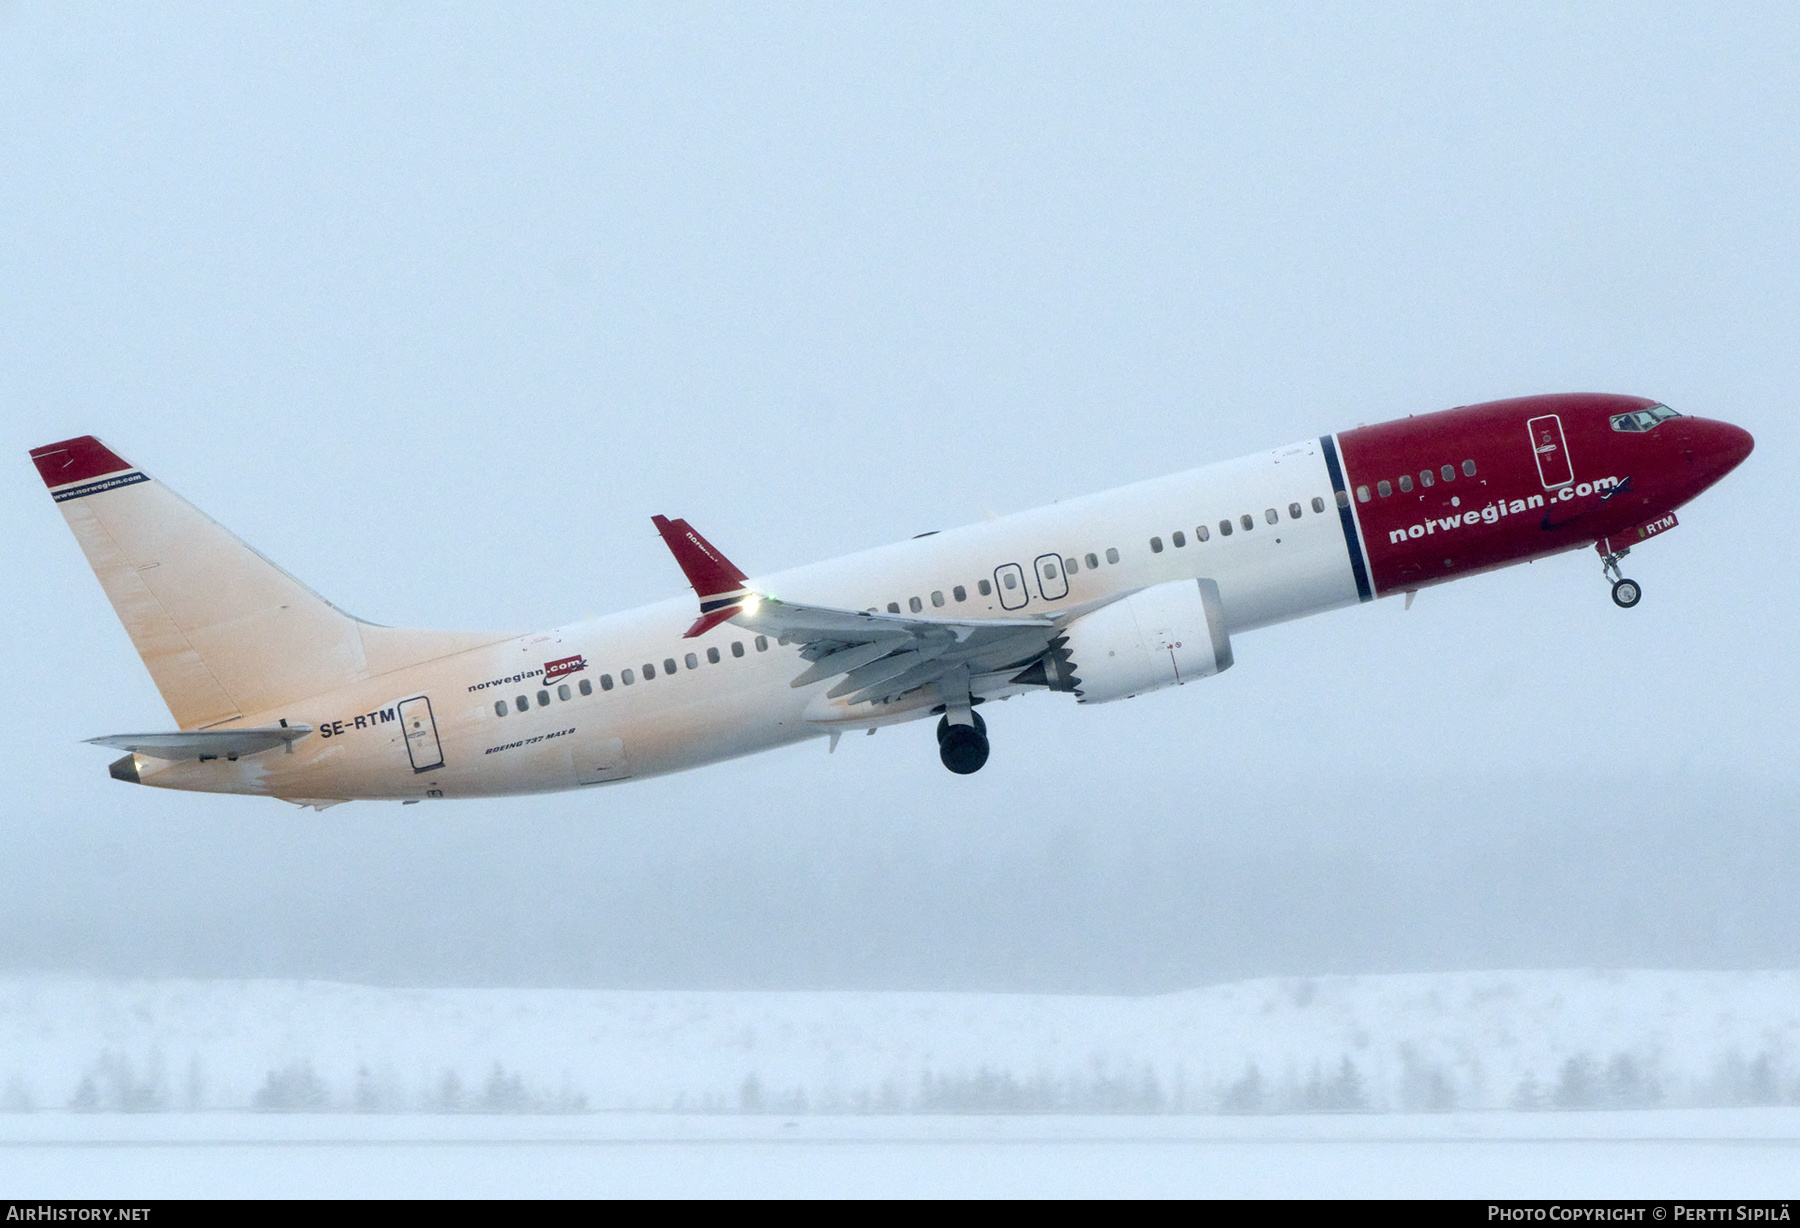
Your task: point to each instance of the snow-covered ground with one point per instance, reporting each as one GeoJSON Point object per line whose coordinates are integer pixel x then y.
{"type": "Point", "coordinates": [1419, 1043]}
{"type": "Point", "coordinates": [1730, 1154]}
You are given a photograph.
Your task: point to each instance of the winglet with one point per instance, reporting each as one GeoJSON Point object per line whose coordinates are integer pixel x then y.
{"type": "Point", "coordinates": [75, 460]}
{"type": "Point", "coordinates": [716, 580]}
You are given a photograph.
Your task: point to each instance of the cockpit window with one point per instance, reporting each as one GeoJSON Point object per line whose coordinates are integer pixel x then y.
{"type": "Point", "coordinates": [1643, 419]}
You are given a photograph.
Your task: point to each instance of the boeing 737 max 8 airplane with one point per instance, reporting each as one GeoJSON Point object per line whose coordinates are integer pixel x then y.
{"type": "Point", "coordinates": [277, 692]}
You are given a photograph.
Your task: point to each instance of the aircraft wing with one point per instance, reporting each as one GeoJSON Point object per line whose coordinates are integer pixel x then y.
{"type": "Point", "coordinates": [876, 657]}
{"type": "Point", "coordinates": [205, 743]}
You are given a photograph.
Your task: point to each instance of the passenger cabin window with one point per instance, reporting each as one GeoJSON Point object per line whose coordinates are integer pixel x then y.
{"type": "Point", "coordinates": [893, 607]}
{"type": "Point", "coordinates": [762, 643]}
{"type": "Point", "coordinates": [522, 704]}
{"type": "Point", "coordinates": [627, 677]}
{"type": "Point", "coordinates": [737, 648]}
{"type": "Point", "coordinates": [937, 598]}
{"type": "Point", "coordinates": [1271, 515]}
{"type": "Point", "coordinates": [960, 593]}
{"type": "Point", "coordinates": [1201, 533]}
{"type": "Point", "coordinates": [986, 589]}
{"type": "Point", "coordinates": [691, 661]}
{"type": "Point", "coordinates": [1425, 478]}
{"type": "Point", "coordinates": [1449, 472]}
{"type": "Point", "coordinates": [1318, 504]}
{"type": "Point", "coordinates": [1179, 538]}
{"type": "Point", "coordinates": [1093, 562]}
{"type": "Point", "coordinates": [1293, 511]}
{"type": "Point", "coordinates": [499, 707]}
{"type": "Point", "coordinates": [585, 687]}
{"type": "Point", "coordinates": [606, 682]}
{"type": "Point", "coordinates": [1248, 521]}
{"type": "Point", "coordinates": [1384, 488]}
{"type": "Point", "coordinates": [1468, 469]}
{"type": "Point", "coordinates": [1155, 546]}
{"type": "Point", "coordinates": [669, 666]}
{"type": "Point", "coordinates": [563, 693]}
{"type": "Point", "coordinates": [712, 656]}
{"type": "Point", "coordinates": [1070, 567]}
{"type": "Point", "coordinates": [1406, 481]}
{"type": "Point", "coordinates": [1362, 494]}
{"type": "Point", "coordinates": [543, 699]}
{"type": "Point", "coordinates": [1224, 528]}
{"type": "Point", "coordinates": [1112, 555]}
{"type": "Point", "coordinates": [649, 671]}
{"type": "Point", "coordinates": [914, 604]}
{"type": "Point", "coordinates": [1343, 498]}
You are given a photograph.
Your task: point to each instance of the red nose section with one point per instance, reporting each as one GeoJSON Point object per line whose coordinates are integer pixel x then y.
{"type": "Point", "coordinates": [1733, 446]}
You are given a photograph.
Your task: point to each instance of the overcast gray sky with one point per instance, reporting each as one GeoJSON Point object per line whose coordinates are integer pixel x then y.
{"type": "Point", "coordinates": [437, 305]}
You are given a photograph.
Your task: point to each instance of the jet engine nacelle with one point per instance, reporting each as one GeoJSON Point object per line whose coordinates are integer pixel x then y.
{"type": "Point", "coordinates": [1163, 636]}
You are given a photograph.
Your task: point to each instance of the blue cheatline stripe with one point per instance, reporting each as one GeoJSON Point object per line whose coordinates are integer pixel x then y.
{"type": "Point", "coordinates": [94, 488]}
{"type": "Point", "coordinates": [1358, 566]}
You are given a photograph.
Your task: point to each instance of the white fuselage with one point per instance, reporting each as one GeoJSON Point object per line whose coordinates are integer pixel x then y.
{"type": "Point", "coordinates": [706, 712]}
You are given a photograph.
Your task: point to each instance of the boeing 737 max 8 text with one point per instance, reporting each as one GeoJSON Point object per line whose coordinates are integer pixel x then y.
{"type": "Point", "coordinates": [276, 692]}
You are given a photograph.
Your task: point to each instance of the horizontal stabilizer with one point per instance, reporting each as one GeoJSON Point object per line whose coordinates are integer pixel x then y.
{"type": "Point", "coordinates": [205, 743]}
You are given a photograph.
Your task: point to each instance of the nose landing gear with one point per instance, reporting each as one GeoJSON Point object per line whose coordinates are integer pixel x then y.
{"type": "Point", "coordinates": [963, 747]}
{"type": "Point", "coordinates": [1625, 593]}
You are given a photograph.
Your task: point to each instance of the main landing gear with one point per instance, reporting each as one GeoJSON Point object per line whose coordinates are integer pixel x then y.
{"type": "Point", "coordinates": [963, 746]}
{"type": "Point", "coordinates": [1625, 593]}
